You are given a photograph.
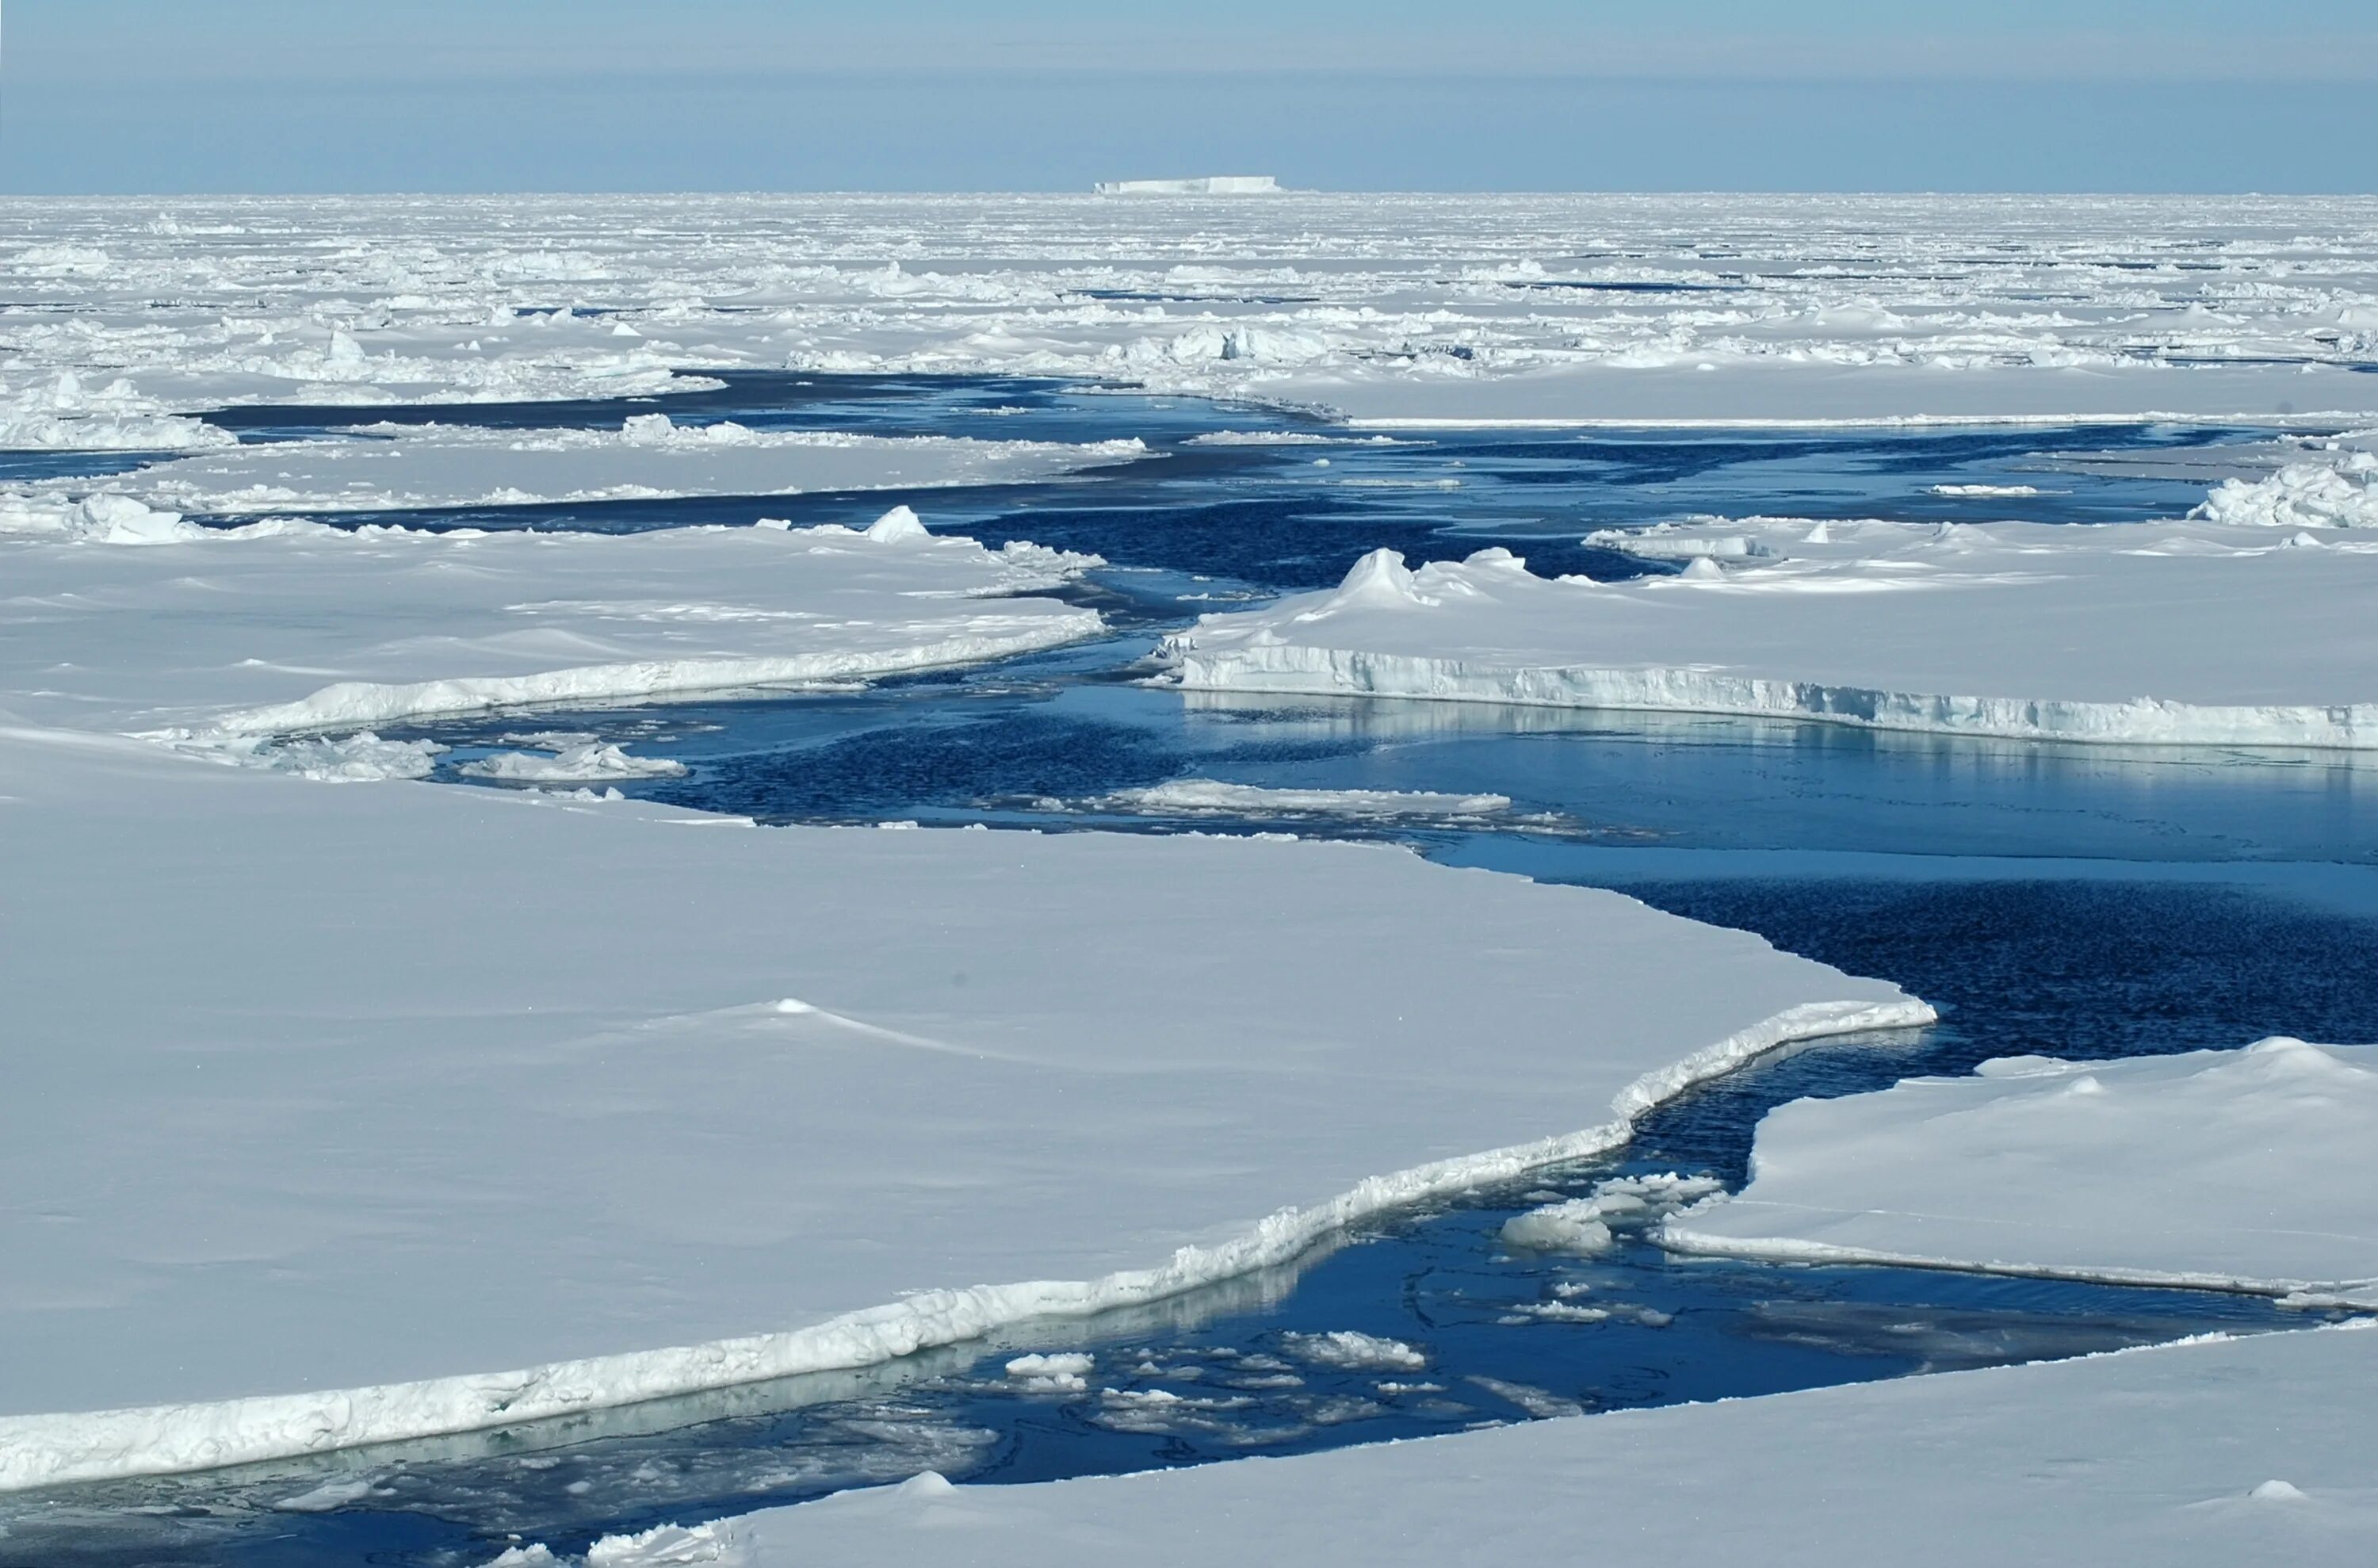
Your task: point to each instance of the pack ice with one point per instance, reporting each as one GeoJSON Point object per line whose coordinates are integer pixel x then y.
{"type": "Point", "coordinates": [2194, 631]}
{"type": "Point", "coordinates": [125, 318]}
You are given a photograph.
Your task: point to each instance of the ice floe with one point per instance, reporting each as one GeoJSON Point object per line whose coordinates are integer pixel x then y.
{"type": "Point", "coordinates": [2174, 632]}
{"type": "Point", "coordinates": [2247, 1170]}
{"type": "Point", "coordinates": [227, 640]}
{"type": "Point", "coordinates": [403, 467]}
{"type": "Point", "coordinates": [2199, 1454]}
{"type": "Point", "coordinates": [307, 1177]}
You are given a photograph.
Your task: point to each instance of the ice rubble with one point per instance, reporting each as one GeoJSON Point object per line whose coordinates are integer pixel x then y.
{"type": "Point", "coordinates": [2245, 1170]}
{"type": "Point", "coordinates": [1557, 309]}
{"type": "Point", "coordinates": [225, 642]}
{"type": "Point", "coordinates": [2340, 493]}
{"type": "Point", "coordinates": [1588, 1224]}
{"type": "Point", "coordinates": [2200, 1455]}
{"type": "Point", "coordinates": [2180, 633]}
{"type": "Point", "coordinates": [587, 762]}
{"type": "Point", "coordinates": [324, 1162]}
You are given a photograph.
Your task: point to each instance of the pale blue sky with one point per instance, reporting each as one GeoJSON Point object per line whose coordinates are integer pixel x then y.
{"type": "Point", "coordinates": [268, 95]}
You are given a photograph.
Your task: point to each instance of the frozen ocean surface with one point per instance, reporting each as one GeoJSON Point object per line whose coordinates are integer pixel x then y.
{"type": "Point", "coordinates": [1287, 377]}
{"type": "Point", "coordinates": [2079, 900]}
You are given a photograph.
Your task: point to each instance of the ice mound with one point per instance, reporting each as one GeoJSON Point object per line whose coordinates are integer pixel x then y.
{"type": "Point", "coordinates": [2341, 494]}
{"type": "Point", "coordinates": [362, 758]}
{"type": "Point", "coordinates": [113, 519]}
{"type": "Point", "coordinates": [900, 522]}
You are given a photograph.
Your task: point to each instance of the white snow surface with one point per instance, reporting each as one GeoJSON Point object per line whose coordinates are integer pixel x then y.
{"type": "Point", "coordinates": [124, 316]}
{"type": "Point", "coordinates": [227, 638]}
{"type": "Point", "coordinates": [393, 467]}
{"type": "Point", "coordinates": [2249, 1170]}
{"type": "Point", "coordinates": [412, 1110]}
{"type": "Point", "coordinates": [2173, 633]}
{"type": "Point", "coordinates": [2201, 1454]}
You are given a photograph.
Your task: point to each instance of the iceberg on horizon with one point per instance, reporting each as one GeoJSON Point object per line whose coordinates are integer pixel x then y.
{"type": "Point", "coordinates": [1205, 185]}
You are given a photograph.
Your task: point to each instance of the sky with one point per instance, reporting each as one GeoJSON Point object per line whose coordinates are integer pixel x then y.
{"type": "Point", "coordinates": [180, 96]}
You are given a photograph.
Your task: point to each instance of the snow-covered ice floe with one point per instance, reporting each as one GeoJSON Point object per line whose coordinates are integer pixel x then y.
{"type": "Point", "coordinates": [2201, 1454]}
{"type": "Point", "coordinates": [486, 1106]}
{"type": "Point", "coordinates": [2253, 1170]}
{"type": "Point", "coordinates": [414, 467]}
{"type": "Point", "coordinates": [2176, 633]}
{"type": "Point", "coordinates": [226, 639]}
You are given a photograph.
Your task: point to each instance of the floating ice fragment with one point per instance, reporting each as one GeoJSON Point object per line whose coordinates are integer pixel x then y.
{"type": "Point", "coordinates": [330, 1495]}
{"type": "Point", "coordinates": [1066, 1372]}
{"type": "Point", "coordinates": [1351, 1350]}
{"type": "Point", "coordinates": [1587, 1225]}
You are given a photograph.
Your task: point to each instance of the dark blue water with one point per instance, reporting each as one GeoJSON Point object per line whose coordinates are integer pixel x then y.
{"type": "Point", "coordinates": [2067, 900]}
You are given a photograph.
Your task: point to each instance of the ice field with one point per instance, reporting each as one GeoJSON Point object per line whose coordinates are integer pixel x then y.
{"type": "Point", "coordinates": [625, 805]}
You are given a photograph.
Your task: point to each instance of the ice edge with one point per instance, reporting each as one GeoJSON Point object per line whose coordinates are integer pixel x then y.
{"type": "Point", "coordinates": [1302, 669]}
{"type": "Point", "coordinates": [163, 1439]}
{"type": "Point", "coordinates": [362, 702]}
{"type": "Point", "coordinates": [2356, 1295]}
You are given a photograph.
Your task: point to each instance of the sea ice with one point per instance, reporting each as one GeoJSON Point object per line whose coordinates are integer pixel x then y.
{"type": "Point", "coordinates": [2176, 633]}
{"type": "Point", "coordinates": [402, 467]}
{"type": "Point", "coordinates": [2165, 1455]}
{"type": "Point", "coordinates": [2249, 1170]}
{"type": "Point", "coordinates": [1351, 1350]}
{"type": "Point", "coordinates": [305, 1178]}
{"type": "Point", "coordinates": [124, 322]}
{"type": "Point", "coordinates": [226, 641]}
{"type": "Point", "coordinates": [1198, 796]}
{"type": "Point", "coordinates": [591, 763]}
